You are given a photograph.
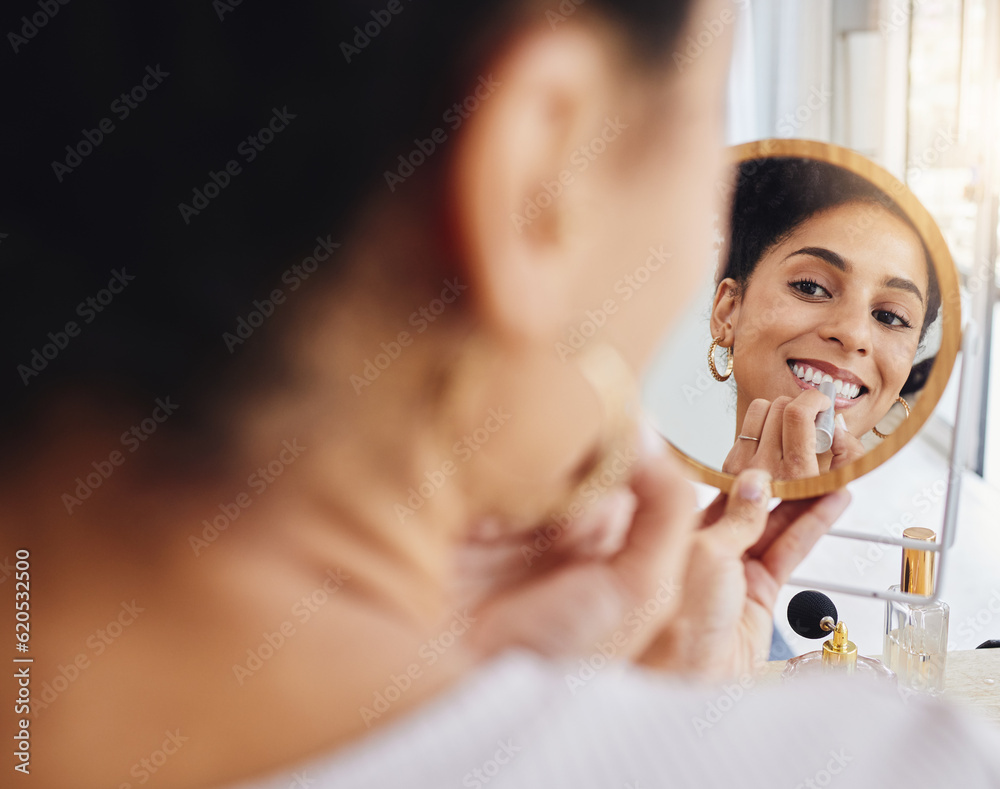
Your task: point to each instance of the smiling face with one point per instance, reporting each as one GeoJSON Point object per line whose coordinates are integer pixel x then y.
{"type": "Point", "coordinates": [844, 295]}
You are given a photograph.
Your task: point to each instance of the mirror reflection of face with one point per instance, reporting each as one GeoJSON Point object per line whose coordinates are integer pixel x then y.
{"type": "Point", "coordinates": [844, 294]}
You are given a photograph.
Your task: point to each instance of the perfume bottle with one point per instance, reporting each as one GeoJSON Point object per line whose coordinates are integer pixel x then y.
{"type": "Point", "coordinates": [916, 634]}
{"type": "Point", "coordinates": [812, 615]}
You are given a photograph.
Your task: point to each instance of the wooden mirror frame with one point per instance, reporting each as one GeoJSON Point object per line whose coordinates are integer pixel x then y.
{"type": "Point", "coordinates": [950, 317]}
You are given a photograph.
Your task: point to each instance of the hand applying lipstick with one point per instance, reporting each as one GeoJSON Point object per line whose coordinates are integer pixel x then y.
{"type": "Point", "coordinates": [786, 434]}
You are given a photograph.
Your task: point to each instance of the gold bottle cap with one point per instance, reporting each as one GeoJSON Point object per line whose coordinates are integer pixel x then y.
{"type": "Point", "coordinates": [840, 653]}
{"type": "Point", "coordinates": [918, 566]}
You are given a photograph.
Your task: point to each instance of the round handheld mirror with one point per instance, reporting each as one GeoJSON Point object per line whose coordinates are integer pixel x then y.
{"type": "Point", "coordinates": [831, 275]}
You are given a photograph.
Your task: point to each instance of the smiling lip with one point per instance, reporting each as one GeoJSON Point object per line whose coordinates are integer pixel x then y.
{"type": "Point", "coordinates": [845, 377]}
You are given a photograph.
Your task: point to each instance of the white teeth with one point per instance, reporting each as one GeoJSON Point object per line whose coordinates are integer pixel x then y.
{"type": "Point", "coordinates": [827, 379]}
{"type": "Point", "coordinates": [810, 375]}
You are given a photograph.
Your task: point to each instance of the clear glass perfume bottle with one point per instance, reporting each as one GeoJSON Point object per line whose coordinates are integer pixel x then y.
{"type": "Point", "coordinates": [916, 635]}
{"type": "Point", "coordinates": [812, 614]}
{"type": "Point", "coordinates": [839, 655]}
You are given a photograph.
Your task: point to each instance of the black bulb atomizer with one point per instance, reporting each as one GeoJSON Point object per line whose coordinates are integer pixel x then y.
{"type": "Point", "coordinates": [813, 615]}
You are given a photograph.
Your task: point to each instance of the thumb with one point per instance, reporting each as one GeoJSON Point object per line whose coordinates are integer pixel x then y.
{"type": "Point", "coordinates": [746, 511]}
{"type": "Point", "coordinates": [845, 446]}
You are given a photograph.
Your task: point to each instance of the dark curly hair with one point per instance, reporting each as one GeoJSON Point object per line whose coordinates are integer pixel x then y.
{"type": "Point", "coordinates": [116, 113]}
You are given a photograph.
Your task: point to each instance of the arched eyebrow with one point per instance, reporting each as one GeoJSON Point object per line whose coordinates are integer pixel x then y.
{"type": "Point", "coordinates": [823, 253]}
{"type": "Point", "coordinates": [835, 260]}
{"type": "Point", "coordinates": [901, 283]}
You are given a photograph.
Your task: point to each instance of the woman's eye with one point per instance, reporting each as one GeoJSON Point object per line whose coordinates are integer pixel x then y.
{"type": "Point", "coordinates": [891, 318]}
{"type": "Point", "coordinates": [809, 288]}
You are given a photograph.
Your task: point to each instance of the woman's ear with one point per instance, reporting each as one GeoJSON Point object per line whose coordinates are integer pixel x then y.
{"type": "Point", "coordinates": [725, 311]}
{"type": "Point", "coordinates": [512, 188]}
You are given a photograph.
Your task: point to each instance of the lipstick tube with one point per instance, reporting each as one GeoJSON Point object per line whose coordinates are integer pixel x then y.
{"type": "Point", "coordinates": [824, 419]}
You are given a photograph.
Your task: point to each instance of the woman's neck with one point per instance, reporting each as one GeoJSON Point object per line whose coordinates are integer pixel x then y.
{"type": "Point", "coordinates": [249, 590]}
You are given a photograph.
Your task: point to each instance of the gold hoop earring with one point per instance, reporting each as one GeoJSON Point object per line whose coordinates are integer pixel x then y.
{"type": "Point", "coordinates": [616, 389]}
{"type": "Point", "coordinates": [711, 361]}
{"type": "Point", "coordinates": [905, 405]}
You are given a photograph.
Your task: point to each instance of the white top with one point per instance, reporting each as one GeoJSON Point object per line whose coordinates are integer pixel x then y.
{"type": "Point", "coordinates": [517, 724]}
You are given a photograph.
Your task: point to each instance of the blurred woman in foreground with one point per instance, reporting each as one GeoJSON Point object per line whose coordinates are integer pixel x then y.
{"type": "Point", "coordinates": [285, 493]}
